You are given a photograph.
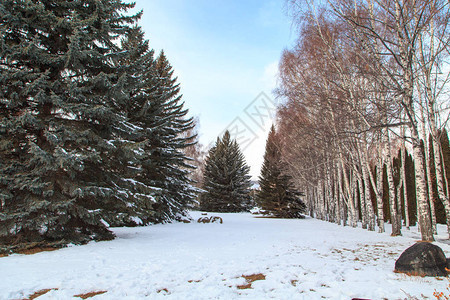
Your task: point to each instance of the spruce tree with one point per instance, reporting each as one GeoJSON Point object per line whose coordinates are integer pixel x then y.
{"type": "Point", "coordinates": [226, 178]}
{"type": "Point", "coordinates": [445, 148]}
{"type": "Point", "coordinates": [132, 196]}
{"type": "Point", "coordinates": [277, 195]}
{"type": "Point", "coordinates": [445, 144]}
{"type": "Point", "coordinates": [59, 102]}
{"type": "Point", "coordinates": [438, 206]}
{"type": "Point", "coordinates": [166, 166]}
{"type": "Point", "coordinates": [150, 175]}
{"type": "Point", "coordinates": [411, 182]}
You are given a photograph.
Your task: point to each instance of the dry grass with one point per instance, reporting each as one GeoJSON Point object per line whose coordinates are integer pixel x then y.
{"type": "Point", "coordinates": [250, 279]}
{"type": "Point", "coordinates": [90, 294]}
{"type": "Point", "coordinates": [244, 286]}
{"type": "Point", "coordinates": [35, 250]}
{"type": "Point", "coordinates": [254, 277]}
{"type": "Point", "coordinates": [29, 251]}
{"type": "Point", "coordinates": [410, 274]}
{"type": "Point", "coordinates": [38, 294]}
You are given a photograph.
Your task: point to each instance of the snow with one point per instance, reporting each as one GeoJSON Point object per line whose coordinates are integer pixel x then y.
{"type": "Point", "coordinates": [136, 220]}
{"type": "Point", "coordinates": [301, 259]}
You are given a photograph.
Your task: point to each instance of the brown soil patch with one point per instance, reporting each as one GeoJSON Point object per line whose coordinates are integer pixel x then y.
{"type": "Point", "coordinates": [250, 279]}
{"type": "Point", "coordinates": [90, 294]}
{"type": "Point", "coordinates": [38, 294]}
{"type": "Point", "coordinates": [254, 277]}
{"type": "Point", "coordinates": [35, 250]}
{"type": "Point", "coordinates": [244, 286]}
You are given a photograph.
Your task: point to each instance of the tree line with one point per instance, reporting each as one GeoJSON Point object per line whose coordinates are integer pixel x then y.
{"type": "Point", "coordinates": [226, 184]}
{"type": "Point", "coordinates": [92, 125]}
{"type": "Point", "coordinates": [364, 123]}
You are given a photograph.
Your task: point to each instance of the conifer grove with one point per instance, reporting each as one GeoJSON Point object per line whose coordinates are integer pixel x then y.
{"type": "Point", "coordinates": [92, 125]}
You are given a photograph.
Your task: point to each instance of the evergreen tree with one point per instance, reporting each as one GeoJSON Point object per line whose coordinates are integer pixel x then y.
{"type": "Point", "coordinates": [59, 102]}
{"type": "Point", "coordinates": [438, 206]}
{"type": "Point", "coordinates": [445, 144]}
{"type": "Point", "coordinates": [226, 178]}
{"type": "Point", "coordinates": [150, 175]}
{"type": "Point", "coordinates": [386, 207]}
{"type": "Point", "coordinates": [166, 166]}
{"type": "Point", "coordinates": [132, 196]}
{"type": "Point", "coordinates": [277, 195]}
{"type": "Point", "coordinates": [411, 182]}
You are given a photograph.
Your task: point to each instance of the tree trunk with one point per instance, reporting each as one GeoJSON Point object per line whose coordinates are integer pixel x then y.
{"type": "Point", "coordinates": [379, 192]}
{"type": "Point", "coordinates": [428, 166]}
{"type": "Point", "coordinates": [369, 207]}
{"type": "Point", "coordinates": [423, 208]}
{"type": "Point", "coordinates": [406, 64]}
{"type": "Point", "coordinates": [336, 195]}
{"type": "Point", "coordinates": [364, 219]}
{"type": "Point", "coordinates": [351, 196]}
{"type": "Point", "coordinates": [427, 67]}
{"type": "Point", "coordinates": [344, 201]}
{"type": "Point", "coordinates": [392, 198]}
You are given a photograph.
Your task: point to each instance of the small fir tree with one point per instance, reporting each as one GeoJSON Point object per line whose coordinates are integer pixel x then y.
{"type": "Point", "coordinates": [226, 178]}
{"type": "Point", "coordinates": [277, 195]}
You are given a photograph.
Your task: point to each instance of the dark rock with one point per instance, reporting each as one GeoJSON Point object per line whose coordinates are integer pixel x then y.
{"type": "Point", "coordinates": [422, 259]}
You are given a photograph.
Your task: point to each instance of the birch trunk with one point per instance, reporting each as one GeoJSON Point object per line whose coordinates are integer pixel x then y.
{"type": "Point", "coordinates": [368, 202]}
{"type": "Point", "coordinates": [330, 200]}
{"type": "Point", "coordinates": [364, 218]}
{"type": "Point", "coordinates": [351, 204]}
{"type": "Point", "coordinates": [342, 193]}
{"type": "Point", "coordinates": [423, 208]}
{"type": "Point", "coordinates": [407, 102]}
{"type": "Point", "coordinates": [336, 195]}
{"type": "Point", "coordinates": [392, 197]}
{"type": "Point", "coordinates": [379, 189]}
{"type": "Point", "coordinates": [430, 98]}
{"type": "Point", "coordinates": [339, 191]}
{"type": "Point", "coordinates": [377, 186]}
{"type": "Point", "coordinates": [428, 167]}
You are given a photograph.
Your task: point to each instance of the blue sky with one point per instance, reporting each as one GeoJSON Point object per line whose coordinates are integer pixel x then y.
{"type": "Point", "coordinates": [225, 53]}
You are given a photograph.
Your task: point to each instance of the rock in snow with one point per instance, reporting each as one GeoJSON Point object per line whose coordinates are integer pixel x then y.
{"type": "Point", "coordinates": [422, 259]}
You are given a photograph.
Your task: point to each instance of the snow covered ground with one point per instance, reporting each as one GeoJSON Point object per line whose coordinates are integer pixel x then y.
{"type": "Point", "coordinates": [298, 259]}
